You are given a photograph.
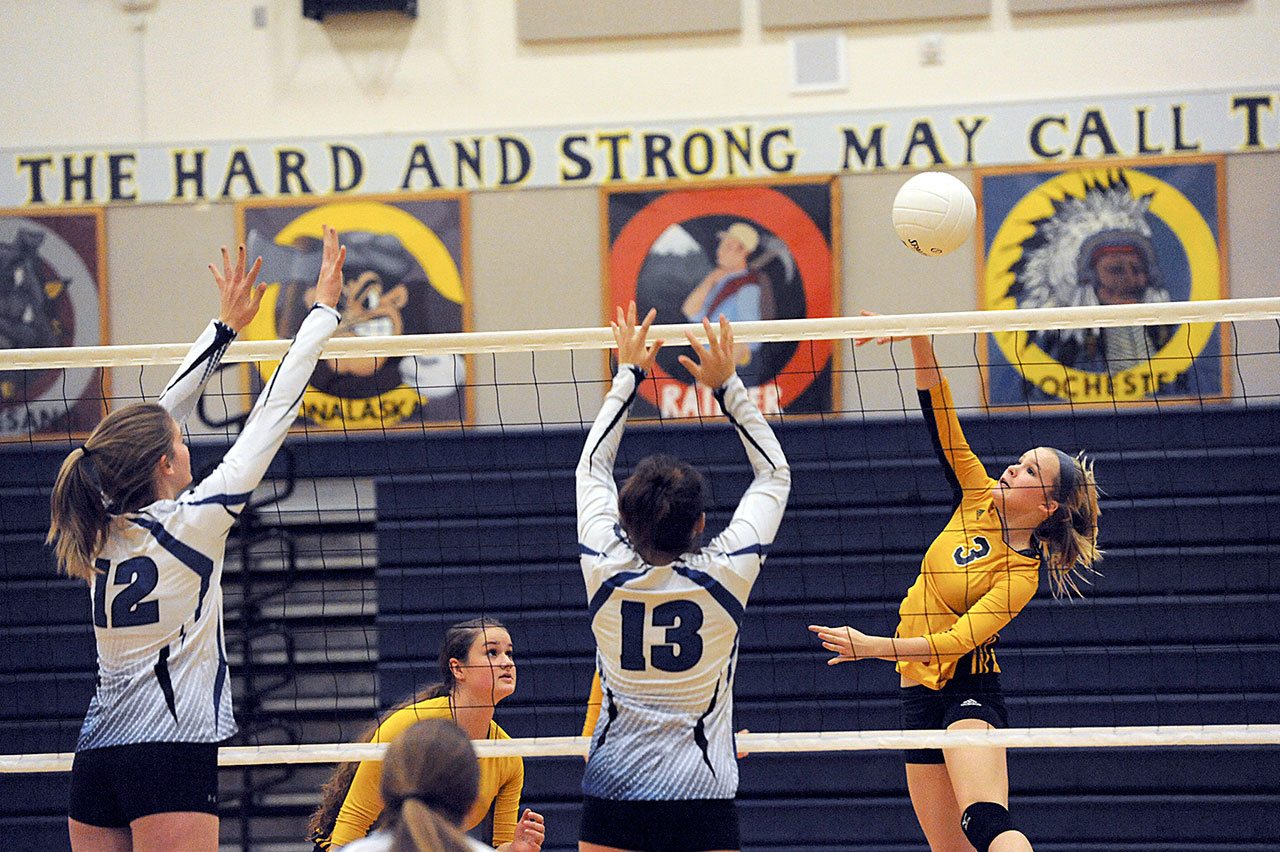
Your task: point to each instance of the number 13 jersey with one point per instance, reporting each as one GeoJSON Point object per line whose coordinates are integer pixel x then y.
{"type": "Point", "coordinates": [667, 635]}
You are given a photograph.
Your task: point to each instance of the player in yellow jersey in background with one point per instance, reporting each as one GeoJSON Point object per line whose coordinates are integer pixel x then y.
{"type": "Point", "coordinates": [478, 670]}
{"type": "Point", "coordinates": [978, 574]}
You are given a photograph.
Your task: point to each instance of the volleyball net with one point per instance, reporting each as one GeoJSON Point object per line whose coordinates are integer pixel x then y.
{"type": "Point", "coordinates": [429, 480]}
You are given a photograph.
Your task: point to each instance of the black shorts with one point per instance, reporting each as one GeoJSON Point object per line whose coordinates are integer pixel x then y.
{"type": "Point", "coordinates": [969, 697]}
{"type": "Point", "coordinates": [113, 786]}
{"type": "Point", "coordinates": [684, 825]}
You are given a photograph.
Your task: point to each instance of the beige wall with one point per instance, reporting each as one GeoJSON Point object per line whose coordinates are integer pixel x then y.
{"type": "Point", "coordinates": [536, 264]}
{"type": "Point", "coordinates": [199, 69]}
{"type": "Point", "coordinates": [1253, 213]}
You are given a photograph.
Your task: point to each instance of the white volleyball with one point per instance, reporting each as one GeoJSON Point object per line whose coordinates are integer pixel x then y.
{"type": "Point", "coordinates": [933, 213]}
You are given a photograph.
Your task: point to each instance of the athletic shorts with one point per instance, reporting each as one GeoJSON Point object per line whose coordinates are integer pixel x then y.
{"type": "Point", "coordinates": [684, 825]}
{"type": "Point", "coordinates": [970, 697]}
{"type": "Point", "coordinates": [113, 786]}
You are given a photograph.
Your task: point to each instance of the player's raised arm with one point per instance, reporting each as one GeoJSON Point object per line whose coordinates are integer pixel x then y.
{"type": "Point", "coordinates": [926, 363]}
{"type": "Point", "coordinates": [759, 512]}
{"type": "Point", "coordinates": [965, 471]}
{"type": "Point", "coordinates": [597, 491]}
{"type": "Point", "coordinates": [277, 405]}
{"type": "Point", "coordinates": [240, 297]}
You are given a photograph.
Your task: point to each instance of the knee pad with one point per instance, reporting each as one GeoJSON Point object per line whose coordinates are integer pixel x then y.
{"type": "Point", "coordinates": [983, 822]}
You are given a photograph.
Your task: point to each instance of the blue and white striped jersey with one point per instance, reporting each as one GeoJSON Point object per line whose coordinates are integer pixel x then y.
{"type": "Point", "coordinates": [667, 635]}
{"type": "Point", "coordinates": [157, 597]}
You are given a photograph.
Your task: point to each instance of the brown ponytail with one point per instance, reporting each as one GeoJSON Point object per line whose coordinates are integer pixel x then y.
{"type": "Point", "coordinates": [430, 779]}
{"type": "Point", "coordinates": [112, 474]}
{"type": "Point", "coordinates": [1069, 536]}
{"type": "Point", "coordinates": [457, 642]}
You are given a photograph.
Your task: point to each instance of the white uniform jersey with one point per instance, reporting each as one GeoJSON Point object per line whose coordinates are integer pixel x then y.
{"type": "Point", "coordinates": [157, 596]}
{"type": "Point", "coordinates": [667, 635]}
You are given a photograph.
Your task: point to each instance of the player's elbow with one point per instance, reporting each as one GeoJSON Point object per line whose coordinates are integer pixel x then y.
{"type": "Point", "coordinates": [778, 477]}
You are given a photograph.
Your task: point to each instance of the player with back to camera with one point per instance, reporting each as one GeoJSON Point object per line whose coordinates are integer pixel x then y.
{"type": "Point", "coordinates": [477, 670]}
{"type": "Point", "coordinates": [430, 781]}
{"type": "Point", "coordinates": [145, 774]}
{"type": "Point", "coordinates": [661, 773]}
{"type": "Point", "coordinates": [978, 574]}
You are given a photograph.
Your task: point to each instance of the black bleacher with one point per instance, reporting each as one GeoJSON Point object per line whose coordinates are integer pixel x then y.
{"type": "Point", "coordinates": [1179, 630]}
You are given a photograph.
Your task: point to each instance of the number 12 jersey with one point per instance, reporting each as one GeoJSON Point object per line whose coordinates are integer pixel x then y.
{"type": "Point", "coordinates": [157, 595]}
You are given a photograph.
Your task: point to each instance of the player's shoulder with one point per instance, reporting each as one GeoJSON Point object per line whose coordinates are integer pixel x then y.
{"type": "Point", "coordinates": [617, 559]}
{"type": "Point", "coordinates": [160, 510]}
{"type": "Point", "coordinates": [715, 560]}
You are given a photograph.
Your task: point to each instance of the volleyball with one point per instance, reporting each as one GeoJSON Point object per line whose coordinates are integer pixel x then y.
{"type": "Point", "coordinates": [933, 213]}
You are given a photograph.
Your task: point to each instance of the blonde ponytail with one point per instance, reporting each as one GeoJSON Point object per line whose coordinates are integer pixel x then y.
{"type": "Point", "coordinates": [110, 475]}
{"type": "Point", "coordinates": [419, 828]}
{"type": "Point", "coordinates": [78, 519]}
{"type": "Point", "coordinates": [430, 780]}
{"type": "Point", "coordinates": [1069, 536]}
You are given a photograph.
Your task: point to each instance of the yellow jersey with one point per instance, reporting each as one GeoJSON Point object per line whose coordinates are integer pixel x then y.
{"type": "Point", "coordinates": [971, 582]}
{"type": "Point", "coordinates": [501, 782]}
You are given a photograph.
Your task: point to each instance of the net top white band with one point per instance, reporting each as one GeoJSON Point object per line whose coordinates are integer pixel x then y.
{"type": "Point", "coordinates": [1122, 737]}
{"type": "Point", "coordinates": [772, 331]}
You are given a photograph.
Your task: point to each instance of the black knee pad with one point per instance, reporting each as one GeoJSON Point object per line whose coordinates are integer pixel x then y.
{"type": "Point", "coordinates": [983, 822]}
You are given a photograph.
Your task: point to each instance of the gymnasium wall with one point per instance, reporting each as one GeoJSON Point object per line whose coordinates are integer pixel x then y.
{"type": "Point", "coordinates": [76, 71]}
{"type": "Point", "coordinates": [199, 69]}
{"type": "Point", "coordinates": [536, 264]}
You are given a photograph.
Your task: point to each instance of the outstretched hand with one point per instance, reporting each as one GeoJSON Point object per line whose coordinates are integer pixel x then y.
{"type": "Point", "coordinates": [240, 292]}
{"type": "Point", "coordinates": [859, 341]}
{"type": "Point", "coordinates": [717, 360]}
{"type": "Point", "coordinates": [846, 643]}
{"type": "Point", "coordinates": [329, 283]}
{"type": "Point", "coordinates": [630, 339]}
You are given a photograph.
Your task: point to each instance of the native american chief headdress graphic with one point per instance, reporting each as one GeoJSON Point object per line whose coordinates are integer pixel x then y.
{"type": "Point", "coordinates": [1094, 249]}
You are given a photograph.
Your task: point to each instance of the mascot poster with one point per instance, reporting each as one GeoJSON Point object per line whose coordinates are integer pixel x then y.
{"type": "Point", "coordinates": [1142, 233]}
{"type": "Point", "coordinates": [405, 274]}
{"type": "Point", "coordinates": [749, 252]}
{"type": "Point", "coordinates": [53, 292]}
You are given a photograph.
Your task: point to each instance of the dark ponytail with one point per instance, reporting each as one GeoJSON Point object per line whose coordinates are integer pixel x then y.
{"type": "Point", "coordinates": [660, 505]}
{"type": "Point", "coordinates": [112, 474]}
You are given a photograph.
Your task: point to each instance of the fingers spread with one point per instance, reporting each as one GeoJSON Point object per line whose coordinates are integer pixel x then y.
{"type": "Point", "coordinates": [695, 343]}
{"type": "Point", "coordinates": [253, 271]}
{"type": "Point", "coordinates": [711, 334]}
